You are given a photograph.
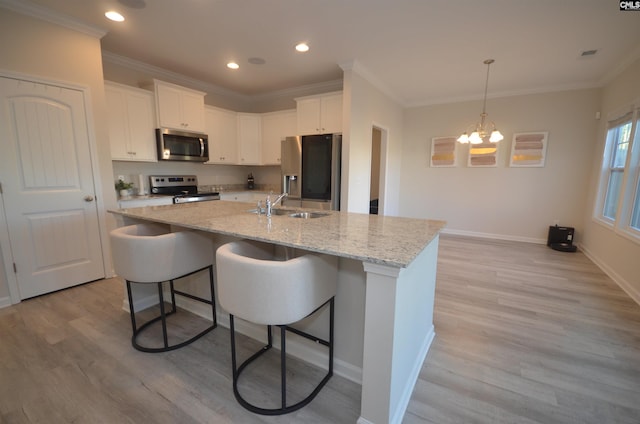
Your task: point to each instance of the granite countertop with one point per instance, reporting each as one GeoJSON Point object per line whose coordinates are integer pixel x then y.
{"type": "Point", "coordinates": [391, 241]}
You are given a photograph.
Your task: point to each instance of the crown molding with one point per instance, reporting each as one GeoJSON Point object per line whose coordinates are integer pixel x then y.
{"type": "Point", "coordinates": [27, 8]}
{"type": "Point", "coordinates": [511, 93]}
{"type": "Point", "coordinates": [359, 69]}
{"type": "Point", "coordinates": [156, 71]}
{"type": "Point", "coordinates": [621, 67]}
{"type": "Point", "coordinates": [301, 91]}
{"type": "Point", "coordinates": [213, 89]}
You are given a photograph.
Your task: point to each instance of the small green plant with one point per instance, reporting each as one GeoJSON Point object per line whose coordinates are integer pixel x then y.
{"type": "Point", "coordinates": [121, 185]}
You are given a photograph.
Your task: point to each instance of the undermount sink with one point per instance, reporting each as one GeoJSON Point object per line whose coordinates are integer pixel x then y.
{"type": "Point", "coordinates": [308, 215]}
{"type": "Point", "coordinates": [292, 214]}
{"type": "Point", "coordinates": [273, 211]}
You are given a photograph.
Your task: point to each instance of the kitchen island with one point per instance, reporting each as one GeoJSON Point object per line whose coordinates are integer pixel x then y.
{"type": "Point", "coordinates": [384, 305]}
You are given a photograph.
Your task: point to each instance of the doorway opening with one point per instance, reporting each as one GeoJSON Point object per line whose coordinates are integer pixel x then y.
{"type": "Point", "coordinates": [376, 180]}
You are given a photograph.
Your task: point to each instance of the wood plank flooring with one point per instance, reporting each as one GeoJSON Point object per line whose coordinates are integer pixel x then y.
{"type": "Point", "coordinates": [524, 334]}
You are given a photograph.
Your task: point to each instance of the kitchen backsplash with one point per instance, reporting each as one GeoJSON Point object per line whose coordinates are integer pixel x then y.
{"type": "Point", "coordinates": [222, 188]}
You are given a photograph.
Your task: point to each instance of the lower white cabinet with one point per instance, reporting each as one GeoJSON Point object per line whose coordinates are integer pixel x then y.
{"type": "Point", "coordinates": [140, 201]}
{"type": "Point", "coordinates": [131, 121]}
{"type": "Point", "coordinates": [244, 196]}
{"type": "Point", "coordinates": [221, 127]}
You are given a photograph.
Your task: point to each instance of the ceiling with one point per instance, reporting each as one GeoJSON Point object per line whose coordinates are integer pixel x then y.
{"type": "Point", "coordinates": [418, 51]}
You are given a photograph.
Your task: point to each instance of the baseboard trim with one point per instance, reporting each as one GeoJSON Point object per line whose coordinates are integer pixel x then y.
{"type": "Point", "coordinates": [403, 402]}
{"type": "Point", "coordinates": [316, 356]}
{"type": "Point", "coordinates": [4, 302]}
{"type": "Point", "coordinates": [492, 236]}
{"type": "Point", "coordinates": [141, 303]}
{"type": "Point", "coordinates": [626, 286]}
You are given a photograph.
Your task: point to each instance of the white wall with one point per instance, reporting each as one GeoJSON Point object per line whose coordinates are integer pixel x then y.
{"type": "Point", "coordinates": [365, 106]}
{"type": "Point", "coordinates": [503, 202]}
{"type": "Point", "coordinates": [48, 51]}
{"type": "Point", "coordinates": [615, 254]}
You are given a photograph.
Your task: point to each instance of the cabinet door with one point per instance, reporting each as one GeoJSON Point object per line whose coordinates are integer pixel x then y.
{"type": "Point", "coordinates": [249, 139]}
{"type": "Point", "coordinates": [118, 123]}
{"type": "Point", "coordinates": [192, 111]}
{"type": "Point", "coordinates": [179, 108]}
{"type": "Point", "coordinates": [221, 126]}
{"type": "Point", "coordinates": [140, 110]}
{"type": "Point", "coordinates": [308, 116]}
{"type": "Point", "coordinates": [169, 108]}
{"type": "Point", "coordinates": [275, 127]}
{"type": "Point", "coordinates": [331, 114]}
{"type": "Point", "coordinates": [131, 124]}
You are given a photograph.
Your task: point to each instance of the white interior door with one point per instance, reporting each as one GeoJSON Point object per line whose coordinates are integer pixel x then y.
{"type": "Point", "coordinates": [47, 187]}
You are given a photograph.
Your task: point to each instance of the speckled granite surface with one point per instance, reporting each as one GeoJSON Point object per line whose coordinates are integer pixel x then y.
{"type": "Point", "coordinates": [377, 239]}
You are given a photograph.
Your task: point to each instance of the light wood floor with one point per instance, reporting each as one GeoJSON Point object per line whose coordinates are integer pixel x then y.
{"type": "Point", "coordinates": [524, 334]}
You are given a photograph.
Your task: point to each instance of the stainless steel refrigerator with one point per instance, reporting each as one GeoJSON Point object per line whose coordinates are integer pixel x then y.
{"type": "Point", "coordinates": [310, 171]}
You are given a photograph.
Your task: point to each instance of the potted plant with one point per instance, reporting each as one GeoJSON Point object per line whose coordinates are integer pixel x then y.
{"type": "Point", "coordinates": [123, 188]}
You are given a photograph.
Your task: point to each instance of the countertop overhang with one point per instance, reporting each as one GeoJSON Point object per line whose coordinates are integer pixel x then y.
{"type": "Point", "coordinates": [385, 240]}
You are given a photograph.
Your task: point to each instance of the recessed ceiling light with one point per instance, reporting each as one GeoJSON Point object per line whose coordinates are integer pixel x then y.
{"type": "Point", "coordinates": [302, 47]}
{"type": "Point", "coordinates": [232, 65]}
{"type": "Point", "coordinates": [114, 16]}
{"type": "Point", "coordinates": [589, 52]}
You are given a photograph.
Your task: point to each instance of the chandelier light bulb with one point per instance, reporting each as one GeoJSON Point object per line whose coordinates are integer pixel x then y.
{"type": "Point", "coordinates": [496, 136]}
{"type": "Point", "coordinates": [464, 138]}
{"type": "Point", "coordinates": [475, 138]}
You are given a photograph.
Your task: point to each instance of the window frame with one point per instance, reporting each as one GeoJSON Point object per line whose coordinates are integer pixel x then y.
{"type": "Point", "coordinates": [629, 194]}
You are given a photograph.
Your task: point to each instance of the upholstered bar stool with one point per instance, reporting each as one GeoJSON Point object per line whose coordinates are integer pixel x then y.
{"type": "Point", "coordinates": [257, 286]}
{"type": "Point", "coordinates": [151, 254]}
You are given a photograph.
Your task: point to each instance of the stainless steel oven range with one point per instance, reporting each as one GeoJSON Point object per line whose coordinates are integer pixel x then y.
{"type": "Point", "coordinates": [183, 188]}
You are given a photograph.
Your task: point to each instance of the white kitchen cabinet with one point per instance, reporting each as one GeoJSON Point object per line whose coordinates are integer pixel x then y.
{"type": "Point", "coordinates": [275, 127]}
{"type": "Point", "coordinates": [221, 126]}
{"type": "Point", "coordinates": [178, 107]}
{"type": "Point", "coordinates": [141, 201]}
{"type": "Point", "coordinates": [321, 114]}
{"type": "Point", "coordinates": [131, 121]}
{"type": "Point", "coordinates": [249, 139]}
{"type": "Point", "coordinates": [244, 196]}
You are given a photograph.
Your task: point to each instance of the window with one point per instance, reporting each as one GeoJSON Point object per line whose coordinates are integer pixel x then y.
{"type": "Point", "coordinates": [619, 195]}
{"type": "Point", "coordinates": [618, 140]}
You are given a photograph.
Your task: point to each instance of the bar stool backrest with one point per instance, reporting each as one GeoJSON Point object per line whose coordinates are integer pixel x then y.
{"type": "Point", "coordinates": [259, 285]}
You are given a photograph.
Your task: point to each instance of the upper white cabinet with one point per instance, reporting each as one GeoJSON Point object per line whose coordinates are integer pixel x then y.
{"type": "Point", "coordinates": [178, 107]}
{"type": "Point", "coordinates": [221, 126]}
{"type": "Point", "coordinates": [131, 120]}
{"type": "Point", "coordinates": [321, 114]}
{"type": "Point", "coordinates": [275, 127]}
{"type": "Point", "coordinates": [249, 139]}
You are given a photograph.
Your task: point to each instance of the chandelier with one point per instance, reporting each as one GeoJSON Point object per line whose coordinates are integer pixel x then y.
{"type": "Point", "coordinates": [480, 132]}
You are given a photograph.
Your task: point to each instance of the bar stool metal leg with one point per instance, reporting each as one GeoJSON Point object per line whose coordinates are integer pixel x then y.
{"type": "Point", "coordinates": [164, 314]}
{"type": "Point", "coordinates": [237, 371]}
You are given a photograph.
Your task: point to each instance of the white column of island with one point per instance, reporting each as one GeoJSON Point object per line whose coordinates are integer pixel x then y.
{"type": "Point", "coordinates": [399, 257]}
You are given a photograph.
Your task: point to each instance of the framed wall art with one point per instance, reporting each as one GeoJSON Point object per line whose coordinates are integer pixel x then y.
{"type": "Point", "coordinates": [443, 151]}
{"type": "Point", "coordinates": [529, 149]}
{"type": "Point", "coordinates": [483, 155]}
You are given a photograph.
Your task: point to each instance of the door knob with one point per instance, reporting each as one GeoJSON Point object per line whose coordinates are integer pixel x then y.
{"type": "Point", "coordinates": [88, 198]}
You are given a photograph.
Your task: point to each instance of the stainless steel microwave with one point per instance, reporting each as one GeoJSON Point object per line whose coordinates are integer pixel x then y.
{"type": "Point", "coordinates": [182, 145]}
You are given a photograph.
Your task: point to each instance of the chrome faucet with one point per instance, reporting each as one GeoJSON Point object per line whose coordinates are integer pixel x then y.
{"type": "Point", "coordinates": [271, 204]}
